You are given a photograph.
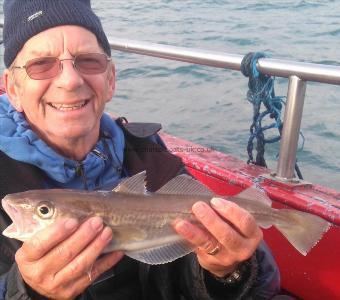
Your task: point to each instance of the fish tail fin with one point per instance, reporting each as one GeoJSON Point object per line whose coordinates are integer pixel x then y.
{"type": "Point", "coordinates": [303, 230]}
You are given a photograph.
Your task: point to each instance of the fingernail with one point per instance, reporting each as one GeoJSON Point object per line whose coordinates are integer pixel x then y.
{"type": "Point", "coordinates": [182, 226]}
{"type": "Point", "coordinates": [71, 224]}
{"type": "Point", "coordinates": [185, 229]}
{"type": "Point", "coordinates": [106, 235]}
{"type": "Point", "coordinates": [217, 202]}
{"type": "Point", "coordinates": [199, 209]}
{"type": "Point", "coordinates": [97, 223]}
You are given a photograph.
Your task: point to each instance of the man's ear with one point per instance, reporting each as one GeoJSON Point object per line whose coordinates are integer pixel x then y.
{"type": "Point", "coordinates": [12, 90]}
{"type": "Point", "coordinates": [111, 82]}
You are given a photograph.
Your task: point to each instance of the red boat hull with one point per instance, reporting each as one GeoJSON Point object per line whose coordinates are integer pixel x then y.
{"type": "Point", "coordinates": [315, 276]}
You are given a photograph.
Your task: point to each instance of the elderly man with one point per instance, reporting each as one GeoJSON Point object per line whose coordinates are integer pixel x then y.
{"type": "Point", "coordinates": [54, 134]}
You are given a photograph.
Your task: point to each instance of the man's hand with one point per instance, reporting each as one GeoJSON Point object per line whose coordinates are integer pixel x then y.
{"type": "Point", "coordinates": [229, 235]}
{"type": "Point", "coordinates": [60, 261]}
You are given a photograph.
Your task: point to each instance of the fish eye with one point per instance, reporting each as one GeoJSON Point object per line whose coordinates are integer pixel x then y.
{"type": "Point", "coordinates": [45, 210]}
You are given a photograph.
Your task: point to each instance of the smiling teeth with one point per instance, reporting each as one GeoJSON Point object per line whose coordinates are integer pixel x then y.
{"type": "Point", "coordinates": [66, 107]}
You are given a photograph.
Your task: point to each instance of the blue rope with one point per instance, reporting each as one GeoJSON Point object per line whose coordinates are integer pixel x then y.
{"type": "Point", "coordinates": [261, 91]}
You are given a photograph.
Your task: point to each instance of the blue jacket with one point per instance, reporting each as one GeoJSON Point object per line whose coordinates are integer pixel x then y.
{"type": "Point", "coordinates": [101, 167]}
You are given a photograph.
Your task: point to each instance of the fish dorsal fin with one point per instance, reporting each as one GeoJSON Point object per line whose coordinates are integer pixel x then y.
{"type": "Point", "coordinates": [161, 254]}
{"type": "Point", "coordinates": [184, 185]}
{"type": "Point", "coordinates": [132, 185]}
{"type": "Point", "coordinates": [254, 194]}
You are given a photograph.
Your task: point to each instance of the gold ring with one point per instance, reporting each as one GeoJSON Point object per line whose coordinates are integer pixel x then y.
{"type": "Point", "coordinates": [215, 250]}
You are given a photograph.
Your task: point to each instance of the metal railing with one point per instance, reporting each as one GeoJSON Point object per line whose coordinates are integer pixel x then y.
{"type": "Point", "coordinates": [298, 74]}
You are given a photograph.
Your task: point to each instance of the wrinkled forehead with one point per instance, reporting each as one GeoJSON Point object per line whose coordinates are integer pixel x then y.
{"type": "Point", "coordinates": [60, 40]}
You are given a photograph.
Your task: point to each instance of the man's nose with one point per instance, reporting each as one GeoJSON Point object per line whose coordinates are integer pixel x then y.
{"type": "Point", "coordinates": [68, 78]}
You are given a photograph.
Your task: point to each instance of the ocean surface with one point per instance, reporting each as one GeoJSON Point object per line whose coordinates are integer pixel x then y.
{"type": "Point", "coordinates": [208, 105]}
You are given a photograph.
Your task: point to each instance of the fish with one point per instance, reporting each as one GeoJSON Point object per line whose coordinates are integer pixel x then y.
{"type": "Point", "coordinates": [142, 222]}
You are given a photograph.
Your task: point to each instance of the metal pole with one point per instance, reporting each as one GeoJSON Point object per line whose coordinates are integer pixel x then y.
{"type": "Point", "coordinates": [189, 55]}
{"type": "Point", "coordinates": [291, 128]}
{"type": "Point", "coordinates": [273, 67]}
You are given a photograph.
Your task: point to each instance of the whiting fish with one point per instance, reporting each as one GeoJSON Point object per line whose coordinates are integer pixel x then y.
{"type": "Point", "coordinates": [142, 222]}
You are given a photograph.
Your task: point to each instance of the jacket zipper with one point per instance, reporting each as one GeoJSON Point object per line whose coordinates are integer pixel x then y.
{"type": "Point", "coordinates": [80, 171]}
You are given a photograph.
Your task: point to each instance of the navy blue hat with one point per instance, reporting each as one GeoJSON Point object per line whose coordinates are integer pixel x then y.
{"type": "Point", "coordinates": [26, 18]}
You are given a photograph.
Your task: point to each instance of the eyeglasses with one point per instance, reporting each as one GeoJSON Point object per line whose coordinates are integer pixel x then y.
{"type": "Point", "coordinates": [48, 67]}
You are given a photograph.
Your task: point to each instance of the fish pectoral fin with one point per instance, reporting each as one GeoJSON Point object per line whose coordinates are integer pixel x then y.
{"type": "Point", "coordinates": [128, 233]}
{"type": "Point", "coordinates": [161, 254]}
{"type": "Point", "coordinates": [132, 185]}
{"type": "Point", "coordinates": [185, 185]}
{"type": "Point", "coordinates": [254, 194]}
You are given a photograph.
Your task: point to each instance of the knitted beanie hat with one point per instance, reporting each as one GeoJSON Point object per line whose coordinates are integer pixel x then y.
{"type": "Point", "coordinates": [25, 18]}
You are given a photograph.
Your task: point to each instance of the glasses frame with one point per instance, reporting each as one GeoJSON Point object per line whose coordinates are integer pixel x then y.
{"type": "Point", "coordinates": [60, 65]}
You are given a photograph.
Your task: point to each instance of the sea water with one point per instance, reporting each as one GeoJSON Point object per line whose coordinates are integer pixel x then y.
{"type": "Point", "coordinates": [208, 105]}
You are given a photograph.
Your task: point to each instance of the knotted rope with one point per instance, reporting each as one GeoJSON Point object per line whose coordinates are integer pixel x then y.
{"type": "Point", "coordinates": [261, 91]}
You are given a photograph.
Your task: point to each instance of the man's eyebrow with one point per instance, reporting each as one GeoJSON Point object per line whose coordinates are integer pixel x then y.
{"type": "Point", "coordinates": [40, 53]}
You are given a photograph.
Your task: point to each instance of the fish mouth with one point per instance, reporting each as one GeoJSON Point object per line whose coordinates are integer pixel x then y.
{"type": "Point", "coordinates": [22, 227]}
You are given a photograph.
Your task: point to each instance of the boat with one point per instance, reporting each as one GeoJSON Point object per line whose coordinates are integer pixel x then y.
{"type": "Point", "coordinates": [315, 276]}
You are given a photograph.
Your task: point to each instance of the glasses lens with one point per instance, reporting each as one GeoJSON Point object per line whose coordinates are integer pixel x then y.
{"type": "Point", "coordinates": [91, 63]}
{"type": "Point", "coordinates": [42, 68]}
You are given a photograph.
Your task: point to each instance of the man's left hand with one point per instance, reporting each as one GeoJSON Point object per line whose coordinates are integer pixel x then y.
{"type": "Point", "coordinates": [229, 235]}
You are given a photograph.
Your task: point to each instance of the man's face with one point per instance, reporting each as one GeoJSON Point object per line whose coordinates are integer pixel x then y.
{"type": "Point", "coordinates": [68, 107]}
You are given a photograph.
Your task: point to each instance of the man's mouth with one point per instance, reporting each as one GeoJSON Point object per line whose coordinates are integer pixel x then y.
{"type": "Point", "coordinates": [68, 107]}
